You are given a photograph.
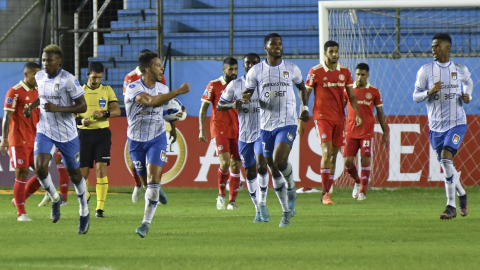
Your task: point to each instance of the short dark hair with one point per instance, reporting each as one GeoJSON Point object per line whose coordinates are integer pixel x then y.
{"type": "Point", "coordinates": [252, 54]}
{"type": "Point", "coordinates": [443, 36]}
{"type": "Point", "coordinates": [31, 66]}
{"type": "Point", "coordinates": [269, 36]}
{"type": "Point", "coordinates": [230, 61]}
{"type": "Point", "coordinates": [363, 66]}
{"type": "Point", "coordinates": [144, 51]}
{"type": "Point", "coordinates": [330, 43]}
{"type": "Point", "coordinates": [53, 48]}
{"type": "Point", "coordinates": [95, 67]}
{"type": "Point", "coordinates": [145, 60]}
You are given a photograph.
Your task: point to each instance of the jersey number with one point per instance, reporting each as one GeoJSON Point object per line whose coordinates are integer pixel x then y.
{"type": "Point", "coordinates": [138, 165]}
{"type": "Point", "coordinates": [366, 143]}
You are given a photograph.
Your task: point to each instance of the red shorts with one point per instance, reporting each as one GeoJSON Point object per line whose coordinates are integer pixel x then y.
{"type": "Point", "coordinates": [21, 157]}
{"type": "Point", "coordinates": [226, 145]}
{"type": "Point", "coordinates": [331, 131]}
{"type": "Point", "coordinates": [352, 146]}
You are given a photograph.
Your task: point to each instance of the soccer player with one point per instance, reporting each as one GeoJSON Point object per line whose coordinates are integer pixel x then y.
{"type": "Point", "coordinates": [18, 134]}
{"type": "Point", "coordinates": [133, 76]}
{"type": "Point", "coordinates": [59, 96]}
{"type": "Point", "coordinates": [273, 80]}
{"type": "Point", "coordinates": [446, 85]}
{"type": "Point", "coordinates": [94, 135]}
{"type": "Point", "coordinates": [361, 137]}
{"type": "Point", "coordinates": [249, 142]}
{"type": "Point", "coordinates": [224, 132]}
{"type": "Point", "coordinates": [147, 140]}
{"type": "Point", "coordinates": [329, 80]}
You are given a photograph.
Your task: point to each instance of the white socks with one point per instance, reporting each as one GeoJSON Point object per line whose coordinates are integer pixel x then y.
{"type": "Point", "coordinates": [81, 190]}
{"type": "Point", "coordinates": [281, 191]}
{"type": "Point", "coordinates": [263, 185]}
{"type": "Point", "coordinates": [47, 184]}
{"type": "Point", "coordinates": [450, 173]}
{"type": "Point", "coordinates": [151, 200]}
{"type": "Point", "coordinates": [287, 173]}
{"type": "Point", "coordinates": [253, 190]}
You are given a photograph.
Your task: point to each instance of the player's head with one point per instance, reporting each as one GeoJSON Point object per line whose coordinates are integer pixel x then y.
{"type": "Point", "coordinates": [361, 74]}
{"type": "Point", "coordinates": [230, 69]}
{"type": "Point", "coordinates": [441, 45]}
{"type": "Point", "coordinates": [330, 49]}
{"type": "Point", "coordinates": [250, 60]}
{"type": "Point", "coordinates": [144, 51]}
{"type": "Point", "coordinates": [273, 45]}
{"type": "Point", "coordinates": [29, 71]}
{"type": "Point", "coordinates": [150, 65]}
{"type": "Point", "coordinates": [52, 59]}
{"type": "Point", "coordinates": [95, 74]}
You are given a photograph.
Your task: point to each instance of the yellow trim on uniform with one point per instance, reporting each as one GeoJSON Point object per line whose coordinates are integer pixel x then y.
{"type": "Point", "coordinates": [97, 99]}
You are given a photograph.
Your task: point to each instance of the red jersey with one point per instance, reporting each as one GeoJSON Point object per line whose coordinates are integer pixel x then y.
{"type": "Point", "coordinates": [328, 86]}
{"type": "Point", "coordinates": [366, 98]}
{"type": "Point", "coordinates": [22, 130]}
{"type": "Point", "coordinates": [135, 75]}
{"type": "Point", "coordinates": [221, 123]}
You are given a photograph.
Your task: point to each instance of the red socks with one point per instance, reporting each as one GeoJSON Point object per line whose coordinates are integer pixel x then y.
{"type": "Point", "coordinates": [325, 173]}
{"type": "Point", "coordinates": [352, 171]}
{"type": "Point", "coordinates": [364, 178]}
{"type": "Point", "coordinates": [222, 181]}
{"type": "Point", "coordinates": [136, 178]}
{"type": "Point", "coordinates": [32, 186]}
{"type": "Point", "coordinates": [331, 178]}
{"type": "Point", "coordinates": [64, 179]}
{"type": "Point", "coordinates": [19, 195]}
{"type": "Point", "coordinates": [234, 183]}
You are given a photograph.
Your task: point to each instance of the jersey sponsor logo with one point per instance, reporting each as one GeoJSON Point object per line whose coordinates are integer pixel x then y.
{"type": "Point", "coordinates": [251, 110]}
{"type": "Point", "coordinates": [341, 77]}
{"type": "Point", "coordinates": [290, 136]}
{"type": "Point", "coordinates": [286, 75]}
{"type": "Point", "coordinates": [368, 96]}
{"type": "Point", "coordinates": [102, 102]}
{"type": "Point", "coordinates": [9, 100]}
{"type": "Point", "coordinates": [455, 139]}
{"type": "Point", "coordinates": [57, 87]}
{"type": "Point", "coordinates": [445, 96]}
{"type": "Point", "coordinates": [330, 84]}
{"type": "Point", "coordinates": [50, 97]}
{"type": "Point", "coordinates": [275, 94]}
{"type": "Point", "coordinates": [449, 86]}
{"type": "Point", "coordinates": [273, 84]}
{"type": "Point", "coordinates": [364, 102]}
{"type": "Point", "coordinates": [77, 83]}
{"type": "Point", "coordinates": [149, 113]}
{"type": "Point", "coordinates": [454, 75]}
{"type": "Point", "coordinates": [20, 161]}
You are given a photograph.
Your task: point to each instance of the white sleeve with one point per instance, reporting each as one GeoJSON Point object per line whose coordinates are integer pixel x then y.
{"type": "Point", "coordinates": [421, 92]}
{"type": "Point", "coordinates": [297, 75]}
{"type": "Point", "coordinates": [73, 88]}
{"type": "Point", "coordinates": [467, 82]}
{"type": "Point", "coordinates": [133, 90]}
{"type": "Point", "coordinates": [229, 94]}
{"type": "Point", "coordinates": [251, 79]}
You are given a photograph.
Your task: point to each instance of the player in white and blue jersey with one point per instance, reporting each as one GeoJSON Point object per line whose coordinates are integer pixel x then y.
{"type": "Point", "coordinates": [249, 142]}
{"type": "Point", "coordinates": [147, 140]}
{"type": "Point", "coordinates": [446, 85]}
{"type": "Point", "coordinates": [273, 80]}
{"type": "Point", "coordinates": [59, 97]}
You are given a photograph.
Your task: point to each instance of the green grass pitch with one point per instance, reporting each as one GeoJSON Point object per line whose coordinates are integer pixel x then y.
{"type": "Point", "coordinates": [397, 229]}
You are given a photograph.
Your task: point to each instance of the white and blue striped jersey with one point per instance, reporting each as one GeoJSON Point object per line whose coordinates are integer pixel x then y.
{"type": "Point", "coordinates": [249, 115]}
{"type": "Point", "coordinates": [275, 90]}
{"type": "Point", "coordinates": [144, 123]}
{"type": "Point", "coordinates": [61, 91]}
{"type": "Point", "coordinates": [445, 108]}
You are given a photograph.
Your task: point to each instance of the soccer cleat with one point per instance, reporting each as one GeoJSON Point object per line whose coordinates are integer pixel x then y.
{"type": "Point", "coordinates": [356, 189]}
{"type": "Point", "coordinates": [84, 224]}
{"type": "Point", "coordinates": [286, 218]}
{"type": "Point", "coordinates": [449, 213]}
{"type": "Point", "coordinates": [55, 215]}
{"type": "Point", "coordinates": [99, 213]}
{"type": "Point", "coordinates": [258, 218]}
{"type": "Point", "coordinates": [24, 217]}
{"type": "Point", "coordinates": [264, 213]}
{"type": "Point", "coordinates": [361, 196]}
{"type": "Point", "coordinates": [292, 197]}
{"type": "Point", "coordinates": [163, 197]}
{"type": "Point", "coordinates": [232, 206]}
{"type": "Point", "coordinates": [64, 203]}
{"type": "Point", "coordinates": [45, 201]}
{"type": "Point", "coordinates": [136, 194]}
{"type": "Point", "coordinates": [327, 199]}
{"type": "Point", "coordinates": [462, 201]}
{"type": "Point", "coordinates": [143, 230]}
{"type": "Point", "coordinates": [14, 202]}
{"type": "Point", "coordinates": [221, 203]}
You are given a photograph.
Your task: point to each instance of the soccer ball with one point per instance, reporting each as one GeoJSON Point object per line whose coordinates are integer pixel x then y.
{"type": "Point", "coordinates": [172, 108]}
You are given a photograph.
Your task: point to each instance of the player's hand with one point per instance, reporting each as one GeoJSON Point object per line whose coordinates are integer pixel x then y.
{"type": "Point", "coordinates": [183, 89]}
{"type": "Point", "coordinates": [465, 98]}
{"type": "Point", "coordinates": [173, 135]}
{"type": "Point", "coordinates": [86, 122]}
{"type": "Point", "coordinates": [435, 88]}
{"type": "Point", "coordinates": [246, 98]}
{"type": "Point", "coordinates": [304, 116]}
{"type": "Point", "coordinates": [50, 107]}
{"type": "Point", "coordinates": [238, 104]}
{"type": "Point", "coordinates": [27, 111]}
{"type": "Point", "coordinates": [386, 139]}
{"type": "Point", "coordinates": [4, 146]}
{"type": "Point", "coordinates": [359, 120]}
{"type": "Point", "coordinates": [97, 114]}
{"type": "Point", "coordinates": [300, 129]}
{"type": "Point", "coordinates": [202, 137]}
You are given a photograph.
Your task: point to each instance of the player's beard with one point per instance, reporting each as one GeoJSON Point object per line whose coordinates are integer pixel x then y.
{"type": "Point", "coordinates": [230, 78]}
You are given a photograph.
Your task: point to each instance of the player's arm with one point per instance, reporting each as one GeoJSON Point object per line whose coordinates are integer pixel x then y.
{"type": "Point", "coordinates": [173, 132]}
{"type": "Point", "coordinates": [159, 100]}
{"type": "Point", "coordinates": [27, 111]}
{"type": "Point", "coordinates": [353, 101]}
{"type": "Point", "coordinates": [302, 90]}
{"type": "Point", "coordinates": [381, 120]}
{"type": "Point", "coordinates": [80, 106]}
{"type": "Point", "coordinates": [251, 83]}
{"type": "Point", "coordinates": [226, 101]}
{"type": "Point", "coordinates": [201, 120]}
{"type": "Point", "coordinates": [467, 87]}
{"type": "Point", "coordinates": [421, 92]}
{"type": "Point", "coordinates": [5, 130]}
{"type": "Point", "coordinates": [113, 111]}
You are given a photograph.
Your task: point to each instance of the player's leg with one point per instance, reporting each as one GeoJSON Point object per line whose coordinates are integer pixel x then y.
{"type": "Point", "coordinates": [223, 172]}
{"type": "Point", "coordinates": [20, 157]}
{"type": "Point", "coordinates": [247, 155]}
{"type": "Point", "coordinates": [331, 178]}
{"type": "Point", "coordinates": [102, 160]}
{"type": "Point", "coordinates": [63, 177]}
{"type": "Point", "coordinates": [234, 179]}
{"type": "Point", "coordinates": [138, 184]}
{"type": "Point", "coordinates": [262, 175]}
{"type": "Point", "coordinates": [324, 131]}
{"type": "Point", "coordinates": [349, 152]}
{"type": "Point", "coordinates": [365, 153]}
{"type": "Point", "coordinates": [46, 199]}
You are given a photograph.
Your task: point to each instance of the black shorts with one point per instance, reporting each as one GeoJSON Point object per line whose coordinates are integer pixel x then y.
{"type": "Point", "coordinates": [94, 146]}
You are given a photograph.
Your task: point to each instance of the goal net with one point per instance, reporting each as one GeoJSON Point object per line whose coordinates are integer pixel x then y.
{"type": "Point", "coordinates": [395, 43]}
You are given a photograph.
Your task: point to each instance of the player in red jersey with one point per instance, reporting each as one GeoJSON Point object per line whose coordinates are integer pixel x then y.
{"type": "Point", "coordinates": [329, 81]}
{"type": "Point", "coordinates": [361, 137]}
{"type": "Point", "coordinates": [224, 132]}
{"type": "Point", "coordinates": [133, 76]}
{"type": "Point", "coordinates": [19, 134]}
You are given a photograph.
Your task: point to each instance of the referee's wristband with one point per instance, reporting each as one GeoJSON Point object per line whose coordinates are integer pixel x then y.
{"type": "Point", "coordinates": [78, 121]}
{"type": "Point", "coordinates": [106, 114]}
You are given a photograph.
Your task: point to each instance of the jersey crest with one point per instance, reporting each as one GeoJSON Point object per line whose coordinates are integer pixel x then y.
{"type": "Point", "coordinates": [102, 102]}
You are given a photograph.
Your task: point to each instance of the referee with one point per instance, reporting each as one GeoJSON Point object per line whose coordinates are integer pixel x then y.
{"type": "Point", "coordinates": [94, 135]}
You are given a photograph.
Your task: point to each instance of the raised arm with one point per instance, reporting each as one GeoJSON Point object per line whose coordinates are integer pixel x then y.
{"type": "Point", "coordinates": [159, 100]}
